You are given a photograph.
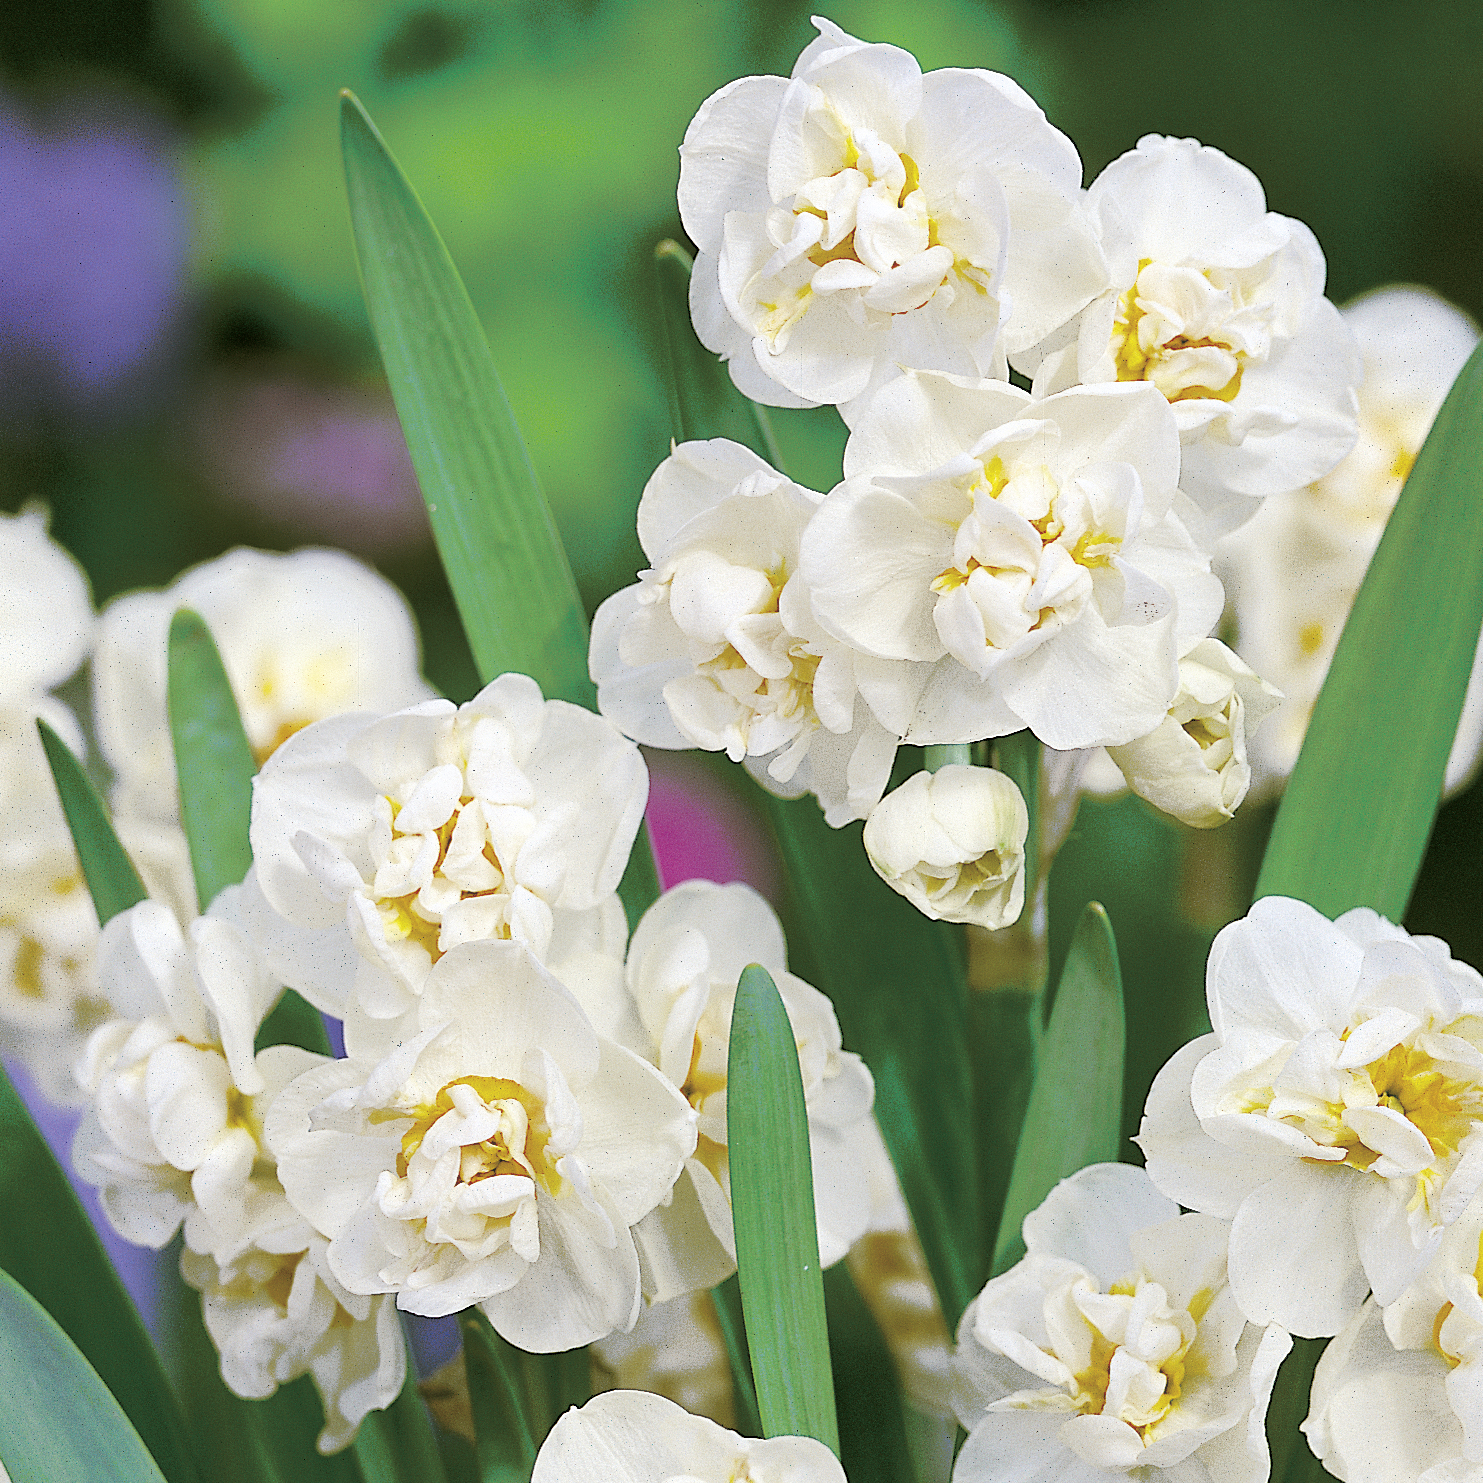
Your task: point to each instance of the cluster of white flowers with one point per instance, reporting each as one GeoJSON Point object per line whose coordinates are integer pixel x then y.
{"type": "Point", "coordinates": [995, 559]}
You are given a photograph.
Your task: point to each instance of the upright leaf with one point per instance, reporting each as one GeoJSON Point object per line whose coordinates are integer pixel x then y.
{"type": "Point", "coordinates": [726, 1299]}
{"type": "Point", "coordinates": [506, 1439]}
{"type": "Point", "coordinates": [59, 1424]}
{"type": "Point", "coordinates": [214, 764]}
{"type": "Point", "coordinates": [772, 1205]}
{"type": "Point", "coordinates": [1075, 1112]}
{"type": "Point", "coordinates": [399, 1445]}
{"type": "Point", "coordinates": [1359, 806]}
{"type": "Point", "coordinates": [494, 530]}
{"type": "Point", "coordinates": [112, 880]}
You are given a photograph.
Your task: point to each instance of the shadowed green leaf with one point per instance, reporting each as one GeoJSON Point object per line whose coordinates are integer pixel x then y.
{"type": "Point", "coordinates": [1075, 1112]}
{"type": "Point", "coordinates": [399, 1445]}
{"type": "Point", "coordinates": [112, 880]}
{"type": "Point", "coordinates": [506, 1434]}
{"type": "Point", "coordinates": [59, 1424]}
{"type": "Point", "coordinates": [772, 1205]}
{"type": "Point", "coordinates": [703, 399]}
{"type": "Point", "coordinates": [726, 1299]}
{"type": "Point", "coordinates": [494, 530]}
{"type": "Point", "coordinates": [1359, 806]}
{"type": "Point", "coordinates": [214, 764]}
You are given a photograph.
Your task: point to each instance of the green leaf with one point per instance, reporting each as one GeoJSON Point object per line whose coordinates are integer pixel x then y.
{"type": "Point", "coordinates": [726, 1299]}
{"type": "Point", "coordinates": [214, 764]}
{"type": "Point", "coordinates": [703, 399]}
{"type": "Point", "coordinates": [493, 527]}
{"type": "Point", "coordinates": [1359, 806]}
{"type": "Point", "coordinates": [772, 1205]}
{"type": "Point", "coordinates": [506, 1435]}
{"type": "Point", "coordinates": [896, 980]}
{"type": "Point", "coordinates": [1075, 1113]}
{"type": "Point", "coordinates": [399, 1445]}
{"type": "Point", "coordinates": [1292, 1459]}
{"type": "Point", "coordinates": [48, 1245]}
{"type": "Point", "coordinates": [872, 1428]}
{"type": "Point", "coordinates": [112, 880]}
{"type": "Point", "coordinates": [59, 1424]}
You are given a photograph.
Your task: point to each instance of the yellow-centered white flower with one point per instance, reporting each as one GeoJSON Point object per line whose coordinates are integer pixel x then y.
{"type": "Point", "coordinates": [716, 647]}
{"type": "Point", "coordinates": [1335, 1115]}
{"type": "Point", "coordinates": [1194, 764]}
{"type": "Point", "coordinates": [860, 216]}
{"type": "Point", "coordinates": [629, 1436]}
{"type": "Point", "coordinates": [498, 1156]}
{"type": "Point", "coordinates": [953, 843]}
{"type": "Point", "coordinates": [1218, 303]}
{"type": "Point", "coordinates": [1114, 1347]}
{"type": "Point", "coordinates": [302, 636]}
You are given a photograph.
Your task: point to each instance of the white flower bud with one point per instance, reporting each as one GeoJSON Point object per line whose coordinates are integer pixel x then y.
{"type": "Point", "coordinates": [1194, 765]}
{"type": "Point", "coordinates": [953, 843]}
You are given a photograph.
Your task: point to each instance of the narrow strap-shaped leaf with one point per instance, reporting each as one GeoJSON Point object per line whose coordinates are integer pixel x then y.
{"type": "Point", "coordinates": [112, 880]}
{"type": "Point", "coordinates": [726, 1299]}
{"type": "Point", "coordinates": [506, 1442]}
{"type": "Point", "coordinates": [50, 1248]}
{"type": "Point", "coordinates": [704, 401]}
{"type": "Point", "coordinates": [772, 1205]}
{"type": "Point", "coordinates": [1359, 806]}
{"type": "Point", "coordinates": [494, 530]}
{"type": "Point", "coordinates": [398, 1445]}
{"type": "Point", "coordinates": [214, 764]}
{"type": "Point", "coordinates": [59, 1424]}
{"type": "Point", "coordinates": [1075, 1113]}
{"type": "Point", "coordinates": [872, 1430]}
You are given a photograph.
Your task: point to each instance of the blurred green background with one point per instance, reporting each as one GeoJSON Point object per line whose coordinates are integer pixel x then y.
{"type": "Point", "coordinates": [185, 363]}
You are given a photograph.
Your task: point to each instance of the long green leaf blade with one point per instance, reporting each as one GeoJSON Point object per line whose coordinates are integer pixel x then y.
{"type": "Point", "coordinates": [1075, 1112]}
{"type": "Point", "coordinates": [772, 1205]}
{"type": "Point", "coordinates": [1359, 806]}
{"type": "Point", "coordinates": [59, 1424]}
{"type": "Point", "coordinates": [398, 1445]}
{"type": "Point", "coordinates": [214, 764]}
{"type": "Point", "coordinates": [493, 527]}
{"type": "Point", "coordinates": [112, 880]}
{"type": "Point", "coordinates": [505, 1434]}
{"type": "Point", "coordinates": [50, 1248]}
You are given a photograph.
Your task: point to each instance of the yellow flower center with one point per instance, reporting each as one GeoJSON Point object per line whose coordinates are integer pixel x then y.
{"type": "Point", "coordinates": [519, 1147]}
{"type": "Point", "coordinates": [1146, 347]}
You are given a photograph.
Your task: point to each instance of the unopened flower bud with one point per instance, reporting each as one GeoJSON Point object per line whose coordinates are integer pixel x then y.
{"type": "Point", "coordinates": [953, 843]}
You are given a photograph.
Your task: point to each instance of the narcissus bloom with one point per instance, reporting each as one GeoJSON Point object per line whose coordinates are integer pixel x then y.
{"type": "Point", "coordinates": [716, 646]}
{"type": "Point", "coordinates": [1219, 303]}
{"type": "Point", "coordinates": [302, 636]}
{"type": "Point", "coordinates": [686, 956]}
{"type": "Point", "coordinates": [998, 562]}
{"type": "Point", "coordinates": [1194, 765]}
{"type": "Point", "coordinates": [500, 1155]}
{"type": "Point", "coordinates": [504, 818]}
{"type": "Point", "coordinates": [1398, 1395]}
{"type": "Point", "coordinates": [860, 215]}
{"type": "Point", "coordinates": [46, 612]}
{"type": "Point", "coordinates": [1115, 1348]}
{"type": "Point", "coordinates": [1335, 1115]}
{"type": "Point", "coordinates": [629, 1436]}
{"type": "Point", "coordinates": [953, 843]}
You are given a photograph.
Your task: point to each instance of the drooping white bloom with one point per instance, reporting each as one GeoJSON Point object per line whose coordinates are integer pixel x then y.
{"type": "Point", "coordinates": [303, 637]}
{"type": "Point", "coordinates": [177, 1093]}
{"type": "Point", "coordinates": [953, 843]}
{"type": "Point", "coordinates": [499, 1155]}
{"type": "Point", "coordinates": [1219, 303]}
{"type": "Point", "coordinates": [1114, 1348]}
{"type": "Point", "coordinates": [998, 562]}
{"type": "Point", "coordinates": [1335, 1115]}
{"type": "Point", "coordinates": [860, 215]}
{"type": "Point", "coordinates": [437, 825]}
{"type": "Point", "coordinates": [1398, 1395]}
{"type": "Point", "coordinates": [1294, 571]}
{"type": "Point", "coordinates": [686, 956]}
{"type": "Point", "coordinates": [716, 646]}
{"type": "Point", "coordinates": [630, 1436]}
{"type": "Point", "coordinates": [275, 1315]}
{"type": "Point", "coordinates": [1194, 763]}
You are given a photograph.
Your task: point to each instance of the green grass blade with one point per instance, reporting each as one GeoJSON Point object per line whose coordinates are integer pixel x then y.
{"type": "Point", "coordinates": [493, 527]}
{"type": "Point", "coordinates": [48, 1245]}
{"type": "Point", "coordinates": [507, 1443]}
{"type": "Point", "coordinates": [1359, 806]}
{"type": "Point", "coordinates": [112, 880]}
{"type": "Point", "coordinates": [214, 765]}
{"type": "Point", "coordinates": [1075, 1113]}
{"type": "Point", "coordinates": [726, 1299]}
{"type": "Point", "coordinates": [772, 1205]}
{"type": "Point", "coordinates": [703, 399]}
{"type": "Point", "coordinates": [59, 1424]}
